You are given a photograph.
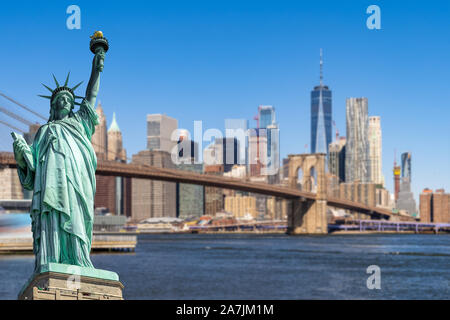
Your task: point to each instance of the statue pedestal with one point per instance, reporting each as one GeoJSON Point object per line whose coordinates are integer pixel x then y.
{"type": "Point", "coordinates": [65, 282]}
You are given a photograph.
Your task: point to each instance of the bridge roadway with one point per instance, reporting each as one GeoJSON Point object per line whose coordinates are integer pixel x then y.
{"type": "Point", "coordinates": [16, 204]}
{"type": "Point", "coordinates": [112, 168]}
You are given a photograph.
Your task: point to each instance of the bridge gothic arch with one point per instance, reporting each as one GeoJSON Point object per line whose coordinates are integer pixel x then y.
{"type": "Point", "coordinates": [308, 216]}
{"type": "Point", "coordinates": [308, 163]}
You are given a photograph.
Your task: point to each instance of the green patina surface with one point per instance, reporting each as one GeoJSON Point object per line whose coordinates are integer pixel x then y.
{"type": "Point", "coordinates": [81, 271]}
{"type": "Point", "coordinates": [59, 167]}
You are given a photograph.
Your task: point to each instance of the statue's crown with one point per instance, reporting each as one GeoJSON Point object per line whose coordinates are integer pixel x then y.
{"type": "Point", "coordinates": [64, 88]}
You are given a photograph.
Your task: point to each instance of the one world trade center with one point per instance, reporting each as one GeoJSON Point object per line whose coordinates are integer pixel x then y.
{"type": "Point", "coordinates": [320, 115]}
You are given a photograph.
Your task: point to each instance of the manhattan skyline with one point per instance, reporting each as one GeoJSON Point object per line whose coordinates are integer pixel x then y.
{"type": "Point", "coordinates": [211, 61]}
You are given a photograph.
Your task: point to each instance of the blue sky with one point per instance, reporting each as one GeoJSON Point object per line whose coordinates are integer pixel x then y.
{"type": "Point", "coordinates": [211, 60]}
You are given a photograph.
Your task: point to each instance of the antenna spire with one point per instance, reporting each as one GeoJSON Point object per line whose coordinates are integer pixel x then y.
{"type": "Point", "coordinates": [321, 67]}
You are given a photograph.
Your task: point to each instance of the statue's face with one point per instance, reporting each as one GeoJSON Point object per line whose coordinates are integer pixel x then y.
{"type": "Point", "coordinates": [64, 104]}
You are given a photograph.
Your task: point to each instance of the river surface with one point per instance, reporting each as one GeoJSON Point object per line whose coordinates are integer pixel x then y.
{"type": "Point", "coordinates": [240, 266]}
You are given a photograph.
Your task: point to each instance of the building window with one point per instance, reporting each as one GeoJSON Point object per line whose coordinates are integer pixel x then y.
{"type": "Point", "coordinates": [153, 128]}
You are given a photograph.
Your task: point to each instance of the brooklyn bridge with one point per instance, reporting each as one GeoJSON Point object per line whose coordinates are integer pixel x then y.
{"type": "Point", "coordinates": [306, 212]}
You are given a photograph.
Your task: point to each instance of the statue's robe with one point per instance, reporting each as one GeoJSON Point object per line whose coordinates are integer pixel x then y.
{"type": "Point", "coordinates": [63, 181]}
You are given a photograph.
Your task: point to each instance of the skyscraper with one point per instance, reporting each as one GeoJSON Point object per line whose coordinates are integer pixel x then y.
{"type": "Point", "coordinates": [267, 122]}
{"type": "Point", "coordinates": [151, 198]}
{"type": "Point", "coordinates": [10, 188]}
{"type": "Point", "coordinates": [357, 162]}
{"type": "Point", "coordinates": [257, 150]}
{"type": "Point", "coordinates": [116, 152]}
{"type": "Point", "coordinates": [224, 151]}
{"type": "Point", "coordinates": [99, 138]}
{"type": "Point", "coordinates": [435, 206]}
{"type": "Point", "coordinates": [187, 149]}
{"type": "Point", "coordinates": [375, 150]}
{"type": "Point", "coordinates": [273, 151]}
{"type": "Point", "coordinates": [396, 171]}
{"type": "Point", "coordinates": [406, 166]}
{"type": "Point", "coordinates": [115, 144]}
{"type": "Point", "coordinates": [213, 196]}
{"type": "Point", "coordinates": [189, 197]}
{"type": "Point", "coordinates": [321, 118]}
{"type": "Point", "coordinates": [405, 196]}
{"type": "Point", "coordinates": [159, 132]}
{"type": "Point", "coordinates": [237, 128]}
{"type": "Point", "coordinates": [336, 158]}
{"type": "Point", "coordinates": [266, 115]}
{"type": "Point", "coordinates": [108, 145]}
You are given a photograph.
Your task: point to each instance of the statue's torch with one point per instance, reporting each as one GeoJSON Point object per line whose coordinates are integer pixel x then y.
{"type": "Point", "coordinates": [99, 44]}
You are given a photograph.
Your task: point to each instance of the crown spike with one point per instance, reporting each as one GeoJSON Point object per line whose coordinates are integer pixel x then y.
{"type": "Point", "coordinates": [56, 81]}
{"type": "Point", "coordinates": [48, 88]}
{"type": "Point", "coordinates": [67, 79]}
{"type": "Point", "coordinates": [47, 97]}
{"type": "Point", "coordinates": [77, 86]}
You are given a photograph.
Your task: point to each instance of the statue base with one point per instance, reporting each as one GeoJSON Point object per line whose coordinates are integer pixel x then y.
{"type": "Point", "coordinates": [57, 281]}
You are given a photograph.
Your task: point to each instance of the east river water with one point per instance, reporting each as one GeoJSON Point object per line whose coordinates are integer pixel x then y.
{"type": "Point", "coordinates": [255, 266]}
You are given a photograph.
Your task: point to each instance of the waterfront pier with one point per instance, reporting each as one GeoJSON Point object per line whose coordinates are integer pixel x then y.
{"type": "Point", "coordinates": [113, 243]}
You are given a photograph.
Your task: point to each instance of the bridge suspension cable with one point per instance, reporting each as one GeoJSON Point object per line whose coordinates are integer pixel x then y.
{"type": "Point", "coordinates": [15, 116]}
{"type": "Point", "coordinates": [23, 106]}
{"type": "Point", "coordinates": [11, 126]}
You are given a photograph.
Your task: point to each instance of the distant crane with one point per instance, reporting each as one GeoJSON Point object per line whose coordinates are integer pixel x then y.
{"type": "Point", "coordinates": [336, 129]}
{"type": "Point", "coordinates": [256, 118]}
{"type": "Point", "coordinates": [395, 157]}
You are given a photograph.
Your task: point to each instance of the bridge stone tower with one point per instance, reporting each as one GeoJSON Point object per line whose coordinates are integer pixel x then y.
{"type": "Point", "coordinates": [308, 216]}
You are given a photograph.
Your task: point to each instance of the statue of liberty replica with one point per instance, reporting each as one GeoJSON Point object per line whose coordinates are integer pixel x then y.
{"type": "Point", "coordinates": [60, 169]}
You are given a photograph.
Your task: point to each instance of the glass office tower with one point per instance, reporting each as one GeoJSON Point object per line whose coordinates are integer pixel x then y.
{"type": "Point", "coordinates": [320, 116]}
{"type": "Point", "coordinates": [405, 199]}
{"type": "Point", "coordinates": [406, 165]}
{"type": "Point", "coordinates": [266, 116]}
{"type": "Point", "coordinates": [237, 128]}
{"type": "Point", "coordinates": [267, 120]}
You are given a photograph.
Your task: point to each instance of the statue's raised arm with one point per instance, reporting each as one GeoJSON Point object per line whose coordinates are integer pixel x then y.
{"type": "Point", "coordinates": [99, 46]}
